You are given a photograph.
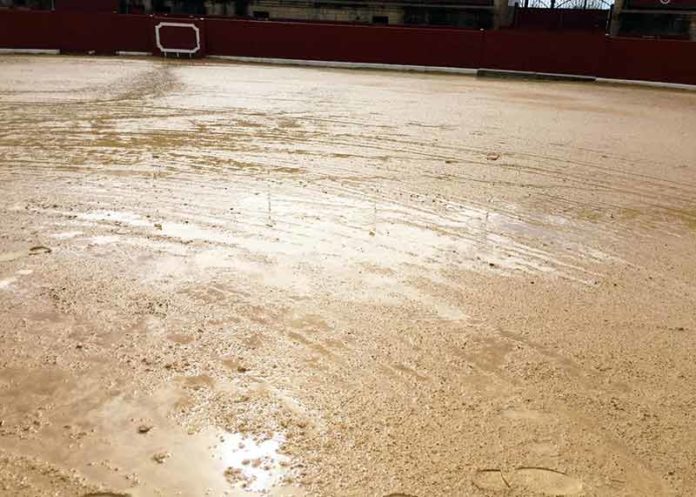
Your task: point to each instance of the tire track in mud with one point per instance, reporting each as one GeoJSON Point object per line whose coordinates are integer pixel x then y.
{"type": "Point", "coordinates": [647, 186]}
{"type": "Point", "coordinates": [419, 150]}
{"type": "Point", "coordinates": [448, 230]}
{"type": "Point", "coordinates": [426, 223]}
{"type": "Point", "coordinates": [184, 138]}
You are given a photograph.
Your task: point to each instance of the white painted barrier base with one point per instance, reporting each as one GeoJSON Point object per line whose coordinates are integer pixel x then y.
{"type": "Point", "coordinates": [534, 75]}
{"type": "Point", "coordinates": [33, 51]}
{"type": "Point", "coordinates": [637, 82]}
{"type": "Point", "coordinates": [133, 54]}
{"type": "Point", "coordinates": [55, 51]}
{"type": "Point", "coordinates": [346, 65]}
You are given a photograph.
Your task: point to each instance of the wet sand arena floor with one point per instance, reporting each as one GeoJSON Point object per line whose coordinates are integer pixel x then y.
{"type": "Point", "coordinates": [221, 279]}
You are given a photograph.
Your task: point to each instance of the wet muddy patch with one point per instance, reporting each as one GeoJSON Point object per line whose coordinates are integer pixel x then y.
{"type": "Point", "coordinates": [263, 274]}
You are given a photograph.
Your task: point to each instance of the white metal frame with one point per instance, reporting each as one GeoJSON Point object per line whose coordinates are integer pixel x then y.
{"type": "Point", "coordinates": [189, 51]}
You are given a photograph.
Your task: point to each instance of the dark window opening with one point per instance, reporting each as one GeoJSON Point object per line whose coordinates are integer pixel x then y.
{"type": "Point", "coordinates": [160, 7]}
{"type": "Point", "coordinates": [240, 7]}
{"type": "Point", "coordinates": [380, 20]}
{"type": "Point", "coordinates": [261, 14]}
{"type": "Point", "coordinates": [655, 25]}
{"type": "Point", "coordinates": [475, 19]}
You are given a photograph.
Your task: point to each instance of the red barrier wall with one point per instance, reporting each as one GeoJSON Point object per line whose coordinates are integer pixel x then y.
{"type": "Point", "coordinates": [25, 29]}
{"type": "Point", "coordinates": [347, 43]}
{"type": "Point", "coordinates": [541, 51]}
{"type": "Point", "coordinates": [103, 33]}
{"type": "Point", "coordinates": [133, 33]}
{"type": "Point", "coordinates": [650, 60]}
{"type": "Point", "coordinates": [560, 52]}
{"type": "Point", "coordinates": [75, 31]}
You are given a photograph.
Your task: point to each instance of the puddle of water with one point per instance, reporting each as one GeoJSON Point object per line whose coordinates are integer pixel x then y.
{"type": "Point", "coordinates": [254, 465]}
{"type": "Point", "coordinates": [207, 462]}
{"type": "Point", "coordinates": [66, 235]}
{"type": "Point", "coordinates": [190, 232]}
{"type": "Point", "coordinates": [120, 216]}
{"type": "Point", "coordinates": [103, 239]}
{"type": "Point", "coordinates": [6, 283]}
{"type": "Point", "coordinates": [327, 231]}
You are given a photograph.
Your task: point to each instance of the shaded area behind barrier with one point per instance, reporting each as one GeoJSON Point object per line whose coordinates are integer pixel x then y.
{"type": "Point", "coordinates": [86, 6]}
{"type": "Point", "coordinates": [560, 52]}
{"type": "Point", "coordinates": [661, 4]}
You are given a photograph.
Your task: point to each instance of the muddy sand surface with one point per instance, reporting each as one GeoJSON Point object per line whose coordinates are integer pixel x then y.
{"type": "Point", "coordinates": [227, 279]}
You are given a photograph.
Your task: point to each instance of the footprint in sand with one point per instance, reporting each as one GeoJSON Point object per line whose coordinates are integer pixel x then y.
{"type": "Point", "coordinates": [545, 481]}
{"type": "Point", "coordinates": [542, 481]}
{"type": "Point", "coordinates": [11, 256]}
{"type": "Point", "coordinates": [490, 479]}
